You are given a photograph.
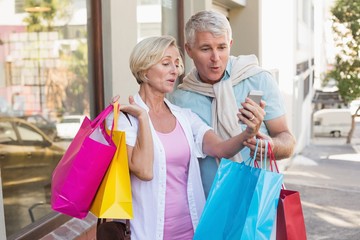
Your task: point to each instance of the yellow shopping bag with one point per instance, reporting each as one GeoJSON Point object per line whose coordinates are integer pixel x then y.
{"type": "Point", "coordinates": [113, 198]}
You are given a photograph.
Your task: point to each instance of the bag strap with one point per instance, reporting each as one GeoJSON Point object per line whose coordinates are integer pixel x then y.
{"type": "Point", "coordinates": [251, 161]}
{"type": "Point", "coordinates": [117, 114]}
{"type": "Point", "coordinates": [127, 116]}
{"type": "Point", "coordinates": [267, 152]}
{"type": "Point", "coordinates": [115, 100]}
{"type": "Point", "coordinates": [116, 117]}
{"type": "Point", "coordinates": [127, 231]}
{"type": "Point", "coordinates": [272, 157]}
{"type": "Point", "coordinates": [256, 164]}
{"type": "Point", "coordinates": [101, 117]}
{"type": "Point", "coordinates": [263, 154]}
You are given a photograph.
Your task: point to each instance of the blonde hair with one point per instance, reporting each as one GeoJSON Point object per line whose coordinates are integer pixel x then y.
{"type": "Point", "coordinates": [149, 52]}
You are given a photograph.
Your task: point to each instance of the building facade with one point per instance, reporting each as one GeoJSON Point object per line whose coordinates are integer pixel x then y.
{"type": "Point", "coordinates": [281, 33]}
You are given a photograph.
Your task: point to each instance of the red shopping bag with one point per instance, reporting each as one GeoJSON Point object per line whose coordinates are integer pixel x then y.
{"type": "Point", "coordinates": [78, 174]}
{"type": "Point", "coordinates": [290, 224]}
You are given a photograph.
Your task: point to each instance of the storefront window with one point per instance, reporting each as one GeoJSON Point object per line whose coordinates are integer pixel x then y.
{"type": "Point", "coordinates": [157, 17]}
{"type": "Point", "coordinates": [43, 79]}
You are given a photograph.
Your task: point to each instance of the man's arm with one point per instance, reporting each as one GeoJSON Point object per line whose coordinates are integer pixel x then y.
{"type": "Point", "coordinates": [280, 138]}
{"type": "Point", "coordinates": [282, 141]}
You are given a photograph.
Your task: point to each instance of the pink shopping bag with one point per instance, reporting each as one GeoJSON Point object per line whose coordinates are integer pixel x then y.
{"type": "Point", "coordinates": [78, 174]}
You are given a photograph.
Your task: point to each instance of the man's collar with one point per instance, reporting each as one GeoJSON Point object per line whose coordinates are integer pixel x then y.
{"type": "Point", "coordinates": [227, 71]}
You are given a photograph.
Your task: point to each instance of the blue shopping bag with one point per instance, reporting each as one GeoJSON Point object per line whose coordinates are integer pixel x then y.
{"type": "Point", "coordinates": [242, 203]}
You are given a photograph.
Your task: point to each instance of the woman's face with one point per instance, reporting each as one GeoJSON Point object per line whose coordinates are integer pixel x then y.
{"type": "Point", "coordinates": [162, 76]}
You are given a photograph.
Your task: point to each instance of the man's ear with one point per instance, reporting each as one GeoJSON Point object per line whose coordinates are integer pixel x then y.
{"type": "Point", "coordinates": [231, 42]}
{"type": "Point", "coordinates": [188, 50]}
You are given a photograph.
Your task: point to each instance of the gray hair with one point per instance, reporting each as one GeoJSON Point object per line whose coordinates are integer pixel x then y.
{"type": "Point", "coordinates": [207, 21]}
{"type": "Point", "coordinates": [149, 52]}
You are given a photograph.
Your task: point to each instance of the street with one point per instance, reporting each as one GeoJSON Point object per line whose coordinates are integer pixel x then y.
{"type": "Point", "coordinates": [327, 175]}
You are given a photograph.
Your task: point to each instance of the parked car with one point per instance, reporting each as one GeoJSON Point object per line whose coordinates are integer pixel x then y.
{"type": "Point", "coordinates": [27, 155]}
{"type": "Point", "coordinates": [27, 159]}
{"type": "Point", "coordinates": [69, 126]}
{"type": "Point", "coordinates": [334, 122]}
{"type": "Point", "coordinates": [5, 107]}
{"type": "Point", "coordinates": [48, 127]}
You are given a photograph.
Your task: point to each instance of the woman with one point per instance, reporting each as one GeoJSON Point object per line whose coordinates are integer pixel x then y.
{"type": "Point", "coordinates": [164, 142]}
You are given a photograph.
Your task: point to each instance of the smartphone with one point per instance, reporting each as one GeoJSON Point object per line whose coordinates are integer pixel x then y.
{"type": "Point", "coordinates": [255, 95]}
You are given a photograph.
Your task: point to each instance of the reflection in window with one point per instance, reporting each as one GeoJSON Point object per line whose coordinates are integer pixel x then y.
{"type": "Point", "coordinates": [156, 17]}
{"type": "Point", "coordinates": [44, 67]}
{"type": "Point", "coordinates": [43, 76]}
{"type": "Point", "coordinates": [7, 134]}
{"type": "Point", "coordinates": [70, 120]}
{"type": "Point", "coordinates": [28, 135]}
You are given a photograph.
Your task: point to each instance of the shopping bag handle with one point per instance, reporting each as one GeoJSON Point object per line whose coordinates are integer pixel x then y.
{"type": "Point", "coordinates": [101, 117]}
{"type": "Point", "coordinates": [272, 159]}
{"type": "Point", "coordinates": [251, 161]}
{"type": "Point", "coordinates": [268, 151]}
{"type": "Point", "coordinates": [116, 117]}
{"type": "Point", "coordinates": [256, 164]}
{"type": "Point", "coordinates": [273, 162]}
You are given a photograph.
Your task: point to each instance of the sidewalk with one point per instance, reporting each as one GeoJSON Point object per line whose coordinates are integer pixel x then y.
{"type": "Point", "coordinates": [327, 175]}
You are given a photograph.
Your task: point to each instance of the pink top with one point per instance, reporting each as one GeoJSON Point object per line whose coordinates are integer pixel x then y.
{"type": "Point", "coordinates": [178, 223]}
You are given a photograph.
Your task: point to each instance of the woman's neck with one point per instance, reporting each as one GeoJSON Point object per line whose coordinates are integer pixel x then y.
{"type": "Point", "coordinates": [154, 101]}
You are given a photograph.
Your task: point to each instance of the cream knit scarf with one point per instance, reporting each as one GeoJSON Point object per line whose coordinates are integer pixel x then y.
{"type": "Point", "coordinates": [224, 108]}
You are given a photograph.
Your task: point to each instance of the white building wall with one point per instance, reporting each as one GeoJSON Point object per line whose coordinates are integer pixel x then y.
{"type": "Point", "coordinates": [305, 41]}
{"type": "Point", "coordinates": [245, 22]}
{"type": "Point", "coordinates": [9, 17]}
{"type": "Point", "coordinates": [277, 37]}
{"type": "Point", "coordinates": [191, 7]}
{"type": "Point", "coordinates": [285, 41]}
{"type": "Point", "coordinates": [119, 38]}
{"type": "Point", "coordinates": [273, 30]}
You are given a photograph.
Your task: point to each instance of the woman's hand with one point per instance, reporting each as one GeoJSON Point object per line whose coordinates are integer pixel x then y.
{"type": "Point", "coordinates": [251, 143]}
{"type": "Point", "coordinates": [133, 109]}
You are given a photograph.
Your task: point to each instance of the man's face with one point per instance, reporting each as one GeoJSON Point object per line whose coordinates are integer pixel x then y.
{"type": "Point", "coordinates": [210, 55]}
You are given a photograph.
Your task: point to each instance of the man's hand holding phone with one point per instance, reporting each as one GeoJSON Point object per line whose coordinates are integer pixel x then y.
{"type": "Point", "coordinates": [257, 116]}
{"type": "Point", "coordinates": [252, 114]}
{"type": "Point", "coordinates": [256, 96]}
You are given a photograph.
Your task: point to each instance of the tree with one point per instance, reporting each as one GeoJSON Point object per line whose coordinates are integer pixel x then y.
{"type": "Point", "coordinates": [43, 13]}
{"type": "Point", "coordinates": [346, 69]}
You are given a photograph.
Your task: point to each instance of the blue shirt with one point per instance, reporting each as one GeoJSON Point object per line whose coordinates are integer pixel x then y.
{"type": "Point", "coordinates": [201, 105]}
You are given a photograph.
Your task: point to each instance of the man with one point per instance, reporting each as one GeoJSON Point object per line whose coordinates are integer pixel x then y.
{"type": "Point", "coordinates": [220, 83]}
